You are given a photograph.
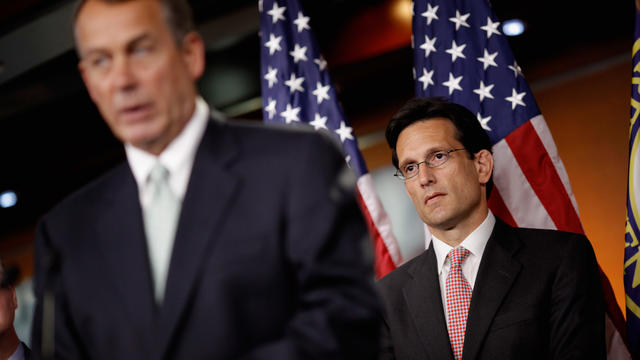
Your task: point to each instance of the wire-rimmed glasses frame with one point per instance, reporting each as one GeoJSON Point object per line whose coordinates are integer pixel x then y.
{"type": "Point", "coordinates": [433, 160]}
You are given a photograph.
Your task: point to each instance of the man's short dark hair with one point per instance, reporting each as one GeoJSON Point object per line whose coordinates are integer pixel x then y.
{"type": "Point", "coordinates": [177, 14]}
{"type": "Point", "coordinates": [468, 129]}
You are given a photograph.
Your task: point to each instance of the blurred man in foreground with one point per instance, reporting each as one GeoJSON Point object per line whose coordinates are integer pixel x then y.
{"type": "Point", "coordinates": [214, 240]}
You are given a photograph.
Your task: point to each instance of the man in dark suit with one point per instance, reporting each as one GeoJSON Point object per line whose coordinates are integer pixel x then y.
{"type": "Point", "coordinates": [10, 345]}
{"type": "Point", "coordinates": [214, 240]}
{"type": "Point", "coordinates": [482, 289]}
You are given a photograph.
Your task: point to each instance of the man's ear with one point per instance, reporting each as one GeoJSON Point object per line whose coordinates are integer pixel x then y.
{"type": "Point", "coordinates": [193, 53]}
{"type": "Point", "coordinates": [484, 165]}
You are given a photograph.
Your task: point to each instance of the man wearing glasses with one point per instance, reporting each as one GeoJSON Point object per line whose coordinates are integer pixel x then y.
{"type": "Point", "coordinates": [483, 289]}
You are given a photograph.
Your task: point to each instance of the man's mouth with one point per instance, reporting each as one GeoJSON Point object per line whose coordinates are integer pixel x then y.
{"type": "Point", "coordinates": [135, 112]}
{"type": "Point", "coordinates": [433, 197]}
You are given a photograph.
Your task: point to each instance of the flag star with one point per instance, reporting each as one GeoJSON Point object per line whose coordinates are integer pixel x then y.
{"type": "Point", "coordinates": [260, 5]}
{"type": "Point", "coordinates": [271, 108]}
{"type": "Point", "coordinates": [491, 27]}
{"type": "Point", "coordinates": [271, 76]}
{"type": "Point", "coordinates": [413, 72]}
{"type": "Point", "coordinates": [299, 53]}
{"type": "Point", "coordinates": [277, 12]}
{"type": "Point", "coordinates": [453, 83]}
{"type": "Point", "coordinates": [302, 22]}
{"type": "Point", "coordinates": [322, 63]}
{"type": "Point", "coordinates": [516, 69]}
{"type": "Point", "coordinates": [295, 83]}
{"type": "Point", "coordinates": [426, 79]}
{"type": "Point", "coordinates": [319, 122]}
{"type": "Point", "coordinates": [348, 160]}
{"type": "Point", "coordinates": [515, 98]}
{"type": "Point", "coordinates": [430, 14]}
{"type": "Point", "coordinates": [456, 51]}
{"type": "Point", "coordinates": [321, 92]}
{"type": "Point", "coordinates": [273, 44]}
{"type": "Point", "coordinates": [429, 45]}
{"type": "Point", "coordinates": [488, 59]}
{"type": "Point", "coordinates": [484, 91]}
{"type": "Point", "coordinates": [484, 121]}
{"type": "Point", "coordinates": [345, 132]}
{"type": "Point", "coordinates": [290, 114]}
{"type": "Point", "coordinates": [460, 20]}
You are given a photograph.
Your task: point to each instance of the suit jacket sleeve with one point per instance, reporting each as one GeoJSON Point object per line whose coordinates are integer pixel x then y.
{"type": "Point", "coordinates": [577, 309]}
{"type": "Point", "coordinates": [337, 310]}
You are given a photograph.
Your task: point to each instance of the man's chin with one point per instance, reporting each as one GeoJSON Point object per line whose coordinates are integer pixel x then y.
{"type": "Point", "coordinates": [439, 221]}
{"type": "Point", "coordinates": [140, 136]}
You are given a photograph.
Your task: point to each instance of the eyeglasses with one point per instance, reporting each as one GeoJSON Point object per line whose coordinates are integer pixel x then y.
{"type": "Point", "coordinates": [434, 159]}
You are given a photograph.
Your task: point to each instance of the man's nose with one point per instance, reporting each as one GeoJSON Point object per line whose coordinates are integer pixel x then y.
{"type": "Point", "coordinates": [123, 74]}
{"type": "Point", "coordinates": [426, 175]}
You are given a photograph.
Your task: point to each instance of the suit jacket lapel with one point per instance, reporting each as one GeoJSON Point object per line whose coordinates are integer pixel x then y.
{"type": "Point", "coordinates": [121, 239]}
{"type": "Point", "coordinates": [424, 301]}
{"type": "Point", "coordinates": [211, 188]}
{"type": "Point", "coordinates": [496, 274]}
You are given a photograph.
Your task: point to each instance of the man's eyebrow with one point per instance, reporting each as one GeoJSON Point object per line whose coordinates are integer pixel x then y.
{"type": "Point", "coordinates": [92, 52]}
{"type": "Point", "coordinates": [138, 39]}
{"type": "Point", "coordinates": [428, 152]}
{"type": "Point", "coordinates": [132, 43]}
{"type": "Point", "coordinates": [406, 162]}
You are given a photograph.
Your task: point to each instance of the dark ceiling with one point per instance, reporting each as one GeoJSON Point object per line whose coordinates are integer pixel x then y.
{"type": "Point", "coordinates": [53, 140]}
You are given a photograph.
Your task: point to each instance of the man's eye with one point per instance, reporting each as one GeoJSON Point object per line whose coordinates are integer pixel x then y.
{"type": "Point", "coordinates": [439, 155]}
{"type": "Point", "coordinates": [410, 168]}
{"type": "Point", "coordinates": [141, 50]}
{"type": "Point", "coordinates": [99, 61]}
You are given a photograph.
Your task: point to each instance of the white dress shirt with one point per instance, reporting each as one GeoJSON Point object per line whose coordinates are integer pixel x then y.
{"type": "Point", "coordinates": [475, 243]}
{"type": "Point", "coordinates": [177, 158]}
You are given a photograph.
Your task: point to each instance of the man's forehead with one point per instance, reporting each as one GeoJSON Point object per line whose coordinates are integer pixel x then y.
{"type": "Point", "coordinates": [432, 132]}
{"type": "Point", "coordinates": [99, 22]}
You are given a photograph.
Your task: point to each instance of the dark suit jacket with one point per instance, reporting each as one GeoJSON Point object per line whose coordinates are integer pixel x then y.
{"type": "Point", "coordinates": [266, 263]}
{"type": "Point", "coordinates": [537, 295]}
{"type": "Point", "coordinates": [27, 351]}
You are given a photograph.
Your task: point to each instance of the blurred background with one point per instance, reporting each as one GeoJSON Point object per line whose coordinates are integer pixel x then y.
{"type": "Point", "coordinates": [575, 56]}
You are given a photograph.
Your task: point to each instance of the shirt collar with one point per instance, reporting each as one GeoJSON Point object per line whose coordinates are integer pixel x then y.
{"type": "Point", "coordinates": [174, 156]}
{"type": "Point", "coordinates": [474, 242]}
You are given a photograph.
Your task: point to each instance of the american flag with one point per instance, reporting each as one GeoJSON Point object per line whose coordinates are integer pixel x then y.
{"type": "Point", "coordinates": [296, 88]}
{"type": "Point", "coordinates": [460, 53]}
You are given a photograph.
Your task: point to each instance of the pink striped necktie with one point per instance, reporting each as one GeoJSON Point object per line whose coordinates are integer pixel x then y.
{"type": "Point", "coordinates": [458, 296]}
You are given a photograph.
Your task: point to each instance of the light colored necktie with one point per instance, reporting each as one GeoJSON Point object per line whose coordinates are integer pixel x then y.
{"type": "Point", "coordinates": [160, 222]}
{"type": "Point", "coordinates": [458, 295]}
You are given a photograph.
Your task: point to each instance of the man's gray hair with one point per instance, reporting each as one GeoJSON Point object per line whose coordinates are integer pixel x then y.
{"type": "Point", "coordinates": [177, 14]}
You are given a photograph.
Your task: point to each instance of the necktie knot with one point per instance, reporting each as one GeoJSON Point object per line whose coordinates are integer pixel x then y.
{"type": "Point", "coordinates": [458, 255]}
{"type": "Point", "coordinates": [159, 174]}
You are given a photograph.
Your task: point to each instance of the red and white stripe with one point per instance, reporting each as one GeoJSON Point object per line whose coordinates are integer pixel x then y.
{"type": "Point", "coordinates": [386, 251]}
{"type": "Point", "coordinates": [532, 181]}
